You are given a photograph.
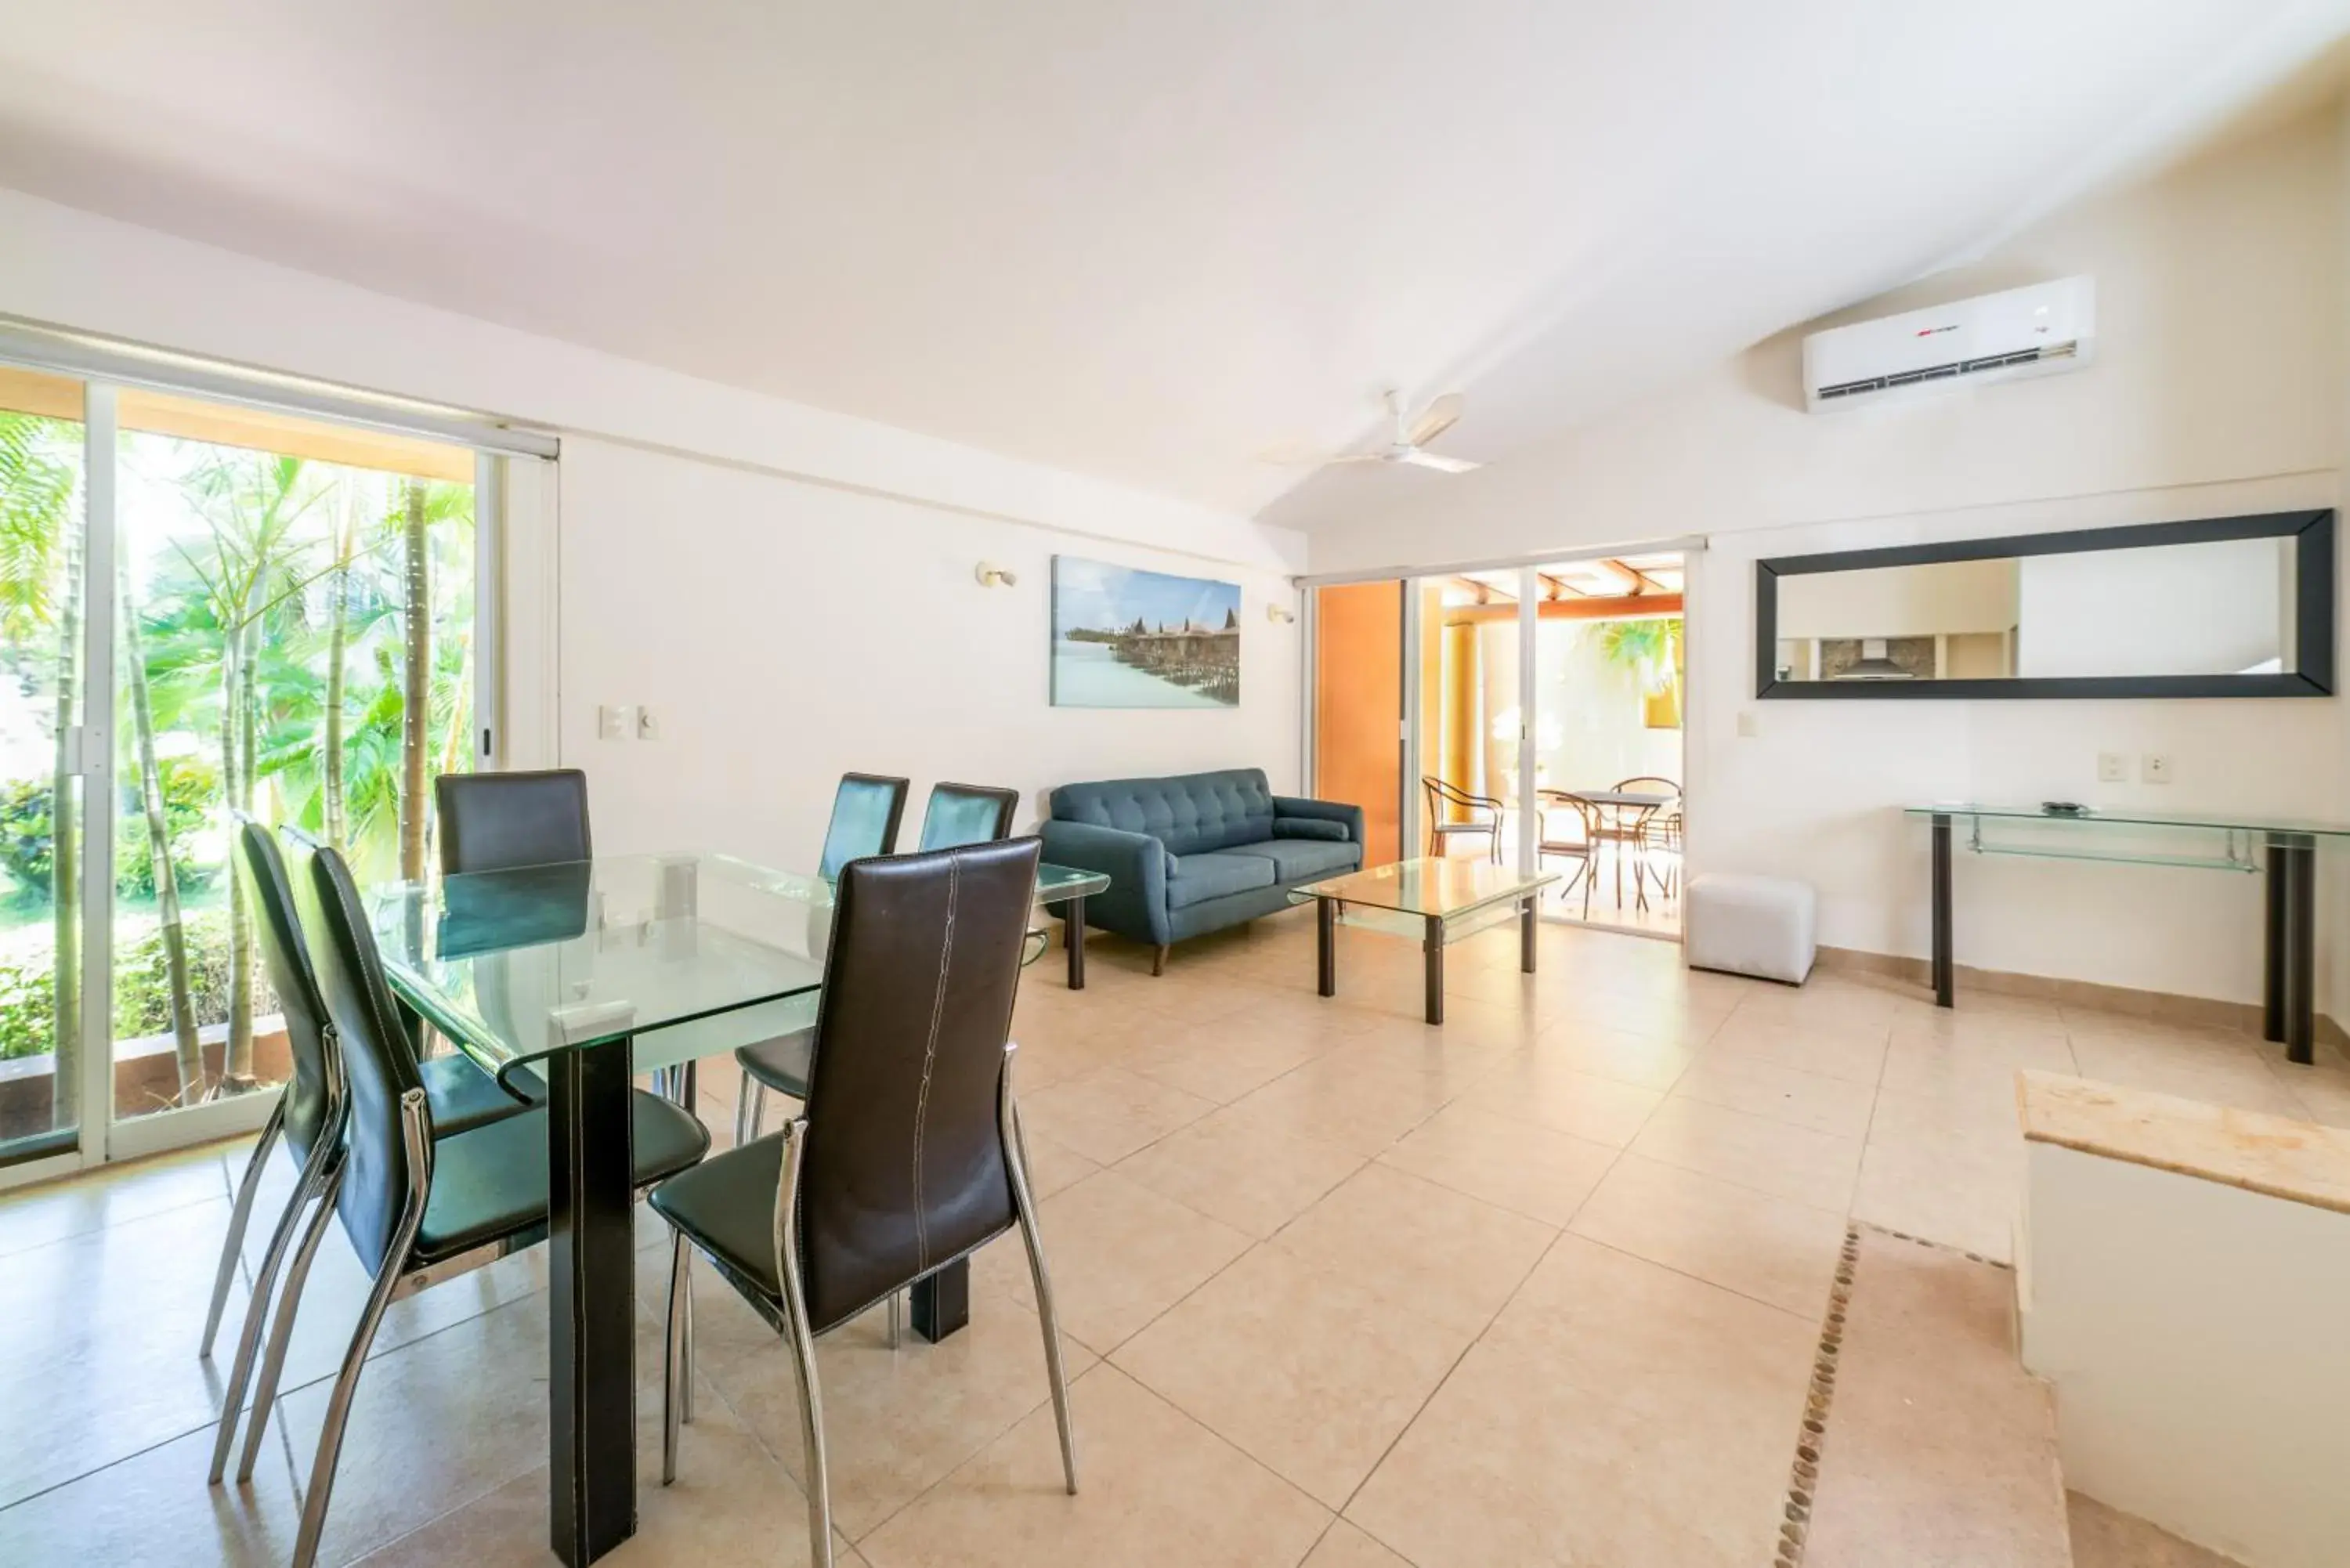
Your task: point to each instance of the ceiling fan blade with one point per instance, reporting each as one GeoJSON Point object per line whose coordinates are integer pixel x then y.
{"type": "Point", "coordinates": [1434, 419]}
{"type": "Point", "coordinates": [1418, 459]}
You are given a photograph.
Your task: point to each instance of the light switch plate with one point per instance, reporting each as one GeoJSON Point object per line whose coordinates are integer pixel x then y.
{"type": "Point", "coordinates": [648, 725]}
{"type": "Point", "coordinates": [615, 722]}
{"type": "Point", "coordinates": [2155, 767]}
{"type": "Point", "coordinates": [2112, 768]}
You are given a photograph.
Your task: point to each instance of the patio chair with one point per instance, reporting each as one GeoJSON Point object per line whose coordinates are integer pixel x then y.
{"type": "Point", "coordinates": [1484, 816]}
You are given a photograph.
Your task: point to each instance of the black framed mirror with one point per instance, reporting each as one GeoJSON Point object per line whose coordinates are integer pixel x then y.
{"type": "Point", "coordinates": [2220, 606]}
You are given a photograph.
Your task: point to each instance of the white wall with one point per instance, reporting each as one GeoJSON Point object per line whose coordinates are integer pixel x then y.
{"type": "Point", "coordinates": [786, 632]}
{"type": "Point", "coordinates": [2218, 388]}
{"type": "Point", "coordinates": [790, 589]}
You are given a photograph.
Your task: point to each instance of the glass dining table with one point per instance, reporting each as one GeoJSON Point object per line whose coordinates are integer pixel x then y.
{"type": "Point", "coordinates": [587, 973]}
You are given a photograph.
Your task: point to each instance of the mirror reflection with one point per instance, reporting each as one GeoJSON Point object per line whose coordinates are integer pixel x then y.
{"type": "Point", "coordinates": [2224, 607]}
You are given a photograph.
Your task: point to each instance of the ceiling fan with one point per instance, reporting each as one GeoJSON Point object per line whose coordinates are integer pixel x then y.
{"type": "Point", "coordinates": [1409, 444]}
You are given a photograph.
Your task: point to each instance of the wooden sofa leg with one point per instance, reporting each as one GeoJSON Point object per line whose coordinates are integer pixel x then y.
{"type": "Point", "coordinates": [1159, 961]}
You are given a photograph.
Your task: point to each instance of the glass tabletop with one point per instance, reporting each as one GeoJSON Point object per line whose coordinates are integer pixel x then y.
{"type": "Point", "coordinates": [1431, 885]}
{"type": "Point", "coordinates": [690, 954]}
{"type": "Point", "coordinates": [2138, 817]}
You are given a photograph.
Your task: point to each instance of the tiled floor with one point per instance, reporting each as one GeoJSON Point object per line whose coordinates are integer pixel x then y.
{"type": "Point", "coordinates": [1542, 1285]}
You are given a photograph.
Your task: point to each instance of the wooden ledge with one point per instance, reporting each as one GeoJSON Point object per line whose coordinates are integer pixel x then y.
{"type": "Point", "coordinates": [2299, 1161]}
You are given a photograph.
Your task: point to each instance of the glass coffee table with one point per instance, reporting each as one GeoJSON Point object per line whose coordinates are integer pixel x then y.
{"type": "Point", "coordinates": [1437, 901]}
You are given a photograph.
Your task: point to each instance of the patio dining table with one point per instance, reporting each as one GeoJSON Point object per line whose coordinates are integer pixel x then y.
{"type": "Point", "coordinates": [1622, 816]}
{"type": "Point", "coordinates": [592, 972]}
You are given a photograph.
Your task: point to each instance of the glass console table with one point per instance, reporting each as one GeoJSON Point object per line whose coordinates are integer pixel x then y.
{"type": "Point", "coordinates": [2285, 848]}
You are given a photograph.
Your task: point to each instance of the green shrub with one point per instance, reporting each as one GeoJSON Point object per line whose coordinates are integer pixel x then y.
{"type": "Point", "coordinates": [142, 991]}
{"type": "Point", "coordinates": [191, 792]}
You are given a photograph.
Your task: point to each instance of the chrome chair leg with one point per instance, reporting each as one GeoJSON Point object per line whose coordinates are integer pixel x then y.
{"type": "Point", "coordinates": [281, 1331]}
{"type": "Point", "coordinates": [1015, 1150]}
{"type": "Point", "coordinates": [742, 1092]}
{"type": "Point", "coordinates": [758, 1108]}
{"type": "Point", "coordinates": [676, 1368]}
{"type": "Point", "coordinates": [416, 1135]}
{"type": "Point", "coordinates": [234, 1247]}
{"type": "Point", "coordinates": [257, 1308]}
{"type": "Point", "coordinates": [803, 1337]}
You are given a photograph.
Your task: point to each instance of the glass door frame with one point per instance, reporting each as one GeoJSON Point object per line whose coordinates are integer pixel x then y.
{"type": "Point", "coordinates": [101, 1137]}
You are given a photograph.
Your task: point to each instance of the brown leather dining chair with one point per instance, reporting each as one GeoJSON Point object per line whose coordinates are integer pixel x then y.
{"type": "Point", "coordinates": [907, 1153]}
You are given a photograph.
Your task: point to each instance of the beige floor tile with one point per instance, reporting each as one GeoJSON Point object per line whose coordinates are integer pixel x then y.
{"type": "Point", "coordinates": [2105, 1537]}
{"type": "Point", "coordinates": [1053, 1165]}
{"type": "Point", "coordinates": [1973, 1078]}
{"type": "Point", "coordinates": [1518, 1165]}
{"type": "Point", "coordinates": [1108, 1113]}
{"type": "Point", "coordinates": [1766, 1089]}
{"type": "Point", "coordinates": [55, 1211]}
{"type": "Point", "coordinates": [1832, 1050]}
{"type": "Point", "coordinates": [1545, 1086]}
{"type": "Point", "coordinates": [1953, 1179]}
{"type": "Point", "coordinates": [731, 1501]}
{"type": "Point", "coordinates": [2221, 1075]}
{"type": "Point", "coordinates": [896, 1421]}
{"type": "Point", "coordinates": [1234, 1170]}
{"type": "Point", "coordinates": [1752, 1242]}
{"type": "Point", "coordinates": [1347, 1547]}
{"type": "Point", "coordinates": [1364, 1108]}
{"type": "Point", "coordinates": [1941, 1447]}
{"type": "Point", "coordinates": [1617, 1413]}
{"type": "Point", "coordinates": [1301, 1368]}
{"type": "Point", "coordinates": [1644, 1061]}
{"type": "Point", "coordinates": [1817, 1169]}
{"type": "Point", "coordinates": [1121, 1255]}
{"type": "Point", "coordinates": [1224, 1061]}
{"type": "Point", "coordinates": [1419, 1247]}
{"type": "Point", "coordinates": [2323, 1092]}
{"type": "Point", "coordinates": [1155, 1489]}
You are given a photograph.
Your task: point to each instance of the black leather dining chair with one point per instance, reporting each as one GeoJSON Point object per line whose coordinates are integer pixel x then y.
{"type": "Point", "coordinates": [907, 1155]}
{"type": "Point", "coordinates": [459, 1094]}
{"type": "Point", "coordinates": [411, 1195]}
{"type": "Point", "coordinates": [865, 813]}
{"type": "Point", "coordinates": [960, 814]}
{"type": "Point", "coordinates": [494, 822]}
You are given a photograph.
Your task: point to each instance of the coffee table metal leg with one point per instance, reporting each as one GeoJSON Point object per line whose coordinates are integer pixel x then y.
{"type": "Point", "coordinates": [1526, 936]}
{"type": "Point", "coordinates": [1073, 937]}
{"type": "Point", "coordinates": [1325, 943]}
{"type": "Point", "coordinates": [1433, 942]}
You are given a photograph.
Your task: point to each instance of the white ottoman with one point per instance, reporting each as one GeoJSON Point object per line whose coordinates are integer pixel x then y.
{"type": "Point", "coordinates": [1763, 925]}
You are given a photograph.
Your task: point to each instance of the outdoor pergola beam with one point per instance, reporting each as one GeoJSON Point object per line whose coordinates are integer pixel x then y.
{"type": "Point", "coordinates": [1625, 607]}
{"type": "Point", "coordinates": [1641, 582]}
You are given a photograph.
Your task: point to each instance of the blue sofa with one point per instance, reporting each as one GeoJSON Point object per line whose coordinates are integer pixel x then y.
{"type": "Point", "coordinates": [1196, 853]}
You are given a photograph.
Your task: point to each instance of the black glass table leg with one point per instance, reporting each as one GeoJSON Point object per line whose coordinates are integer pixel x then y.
{"type": "Point", "coordinates": [1433, 946]}
{"type": "Point", "coordinates": [2274, 936]}
{"type": "Point", "coordinates": [1325, 944]}
{"type": "Point", "coordinates": [2300, 954]}
{"type": "Point", "coordinates": [1526, 936]}
{"type": "Point", "coordinates": [1073, 937]}
{"type": "Point", "coordinates": [942, 1301]}
{"type": "Point", "coordinates": [591, 1308]}
{"type": "Point", "coordinates": [1944, 967]}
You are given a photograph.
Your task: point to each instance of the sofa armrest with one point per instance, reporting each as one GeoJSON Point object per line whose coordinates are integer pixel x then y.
{"type": "Point", "coordinates": [1321, 811]}
{"type": "Point", "coordinates": [1135, 903]}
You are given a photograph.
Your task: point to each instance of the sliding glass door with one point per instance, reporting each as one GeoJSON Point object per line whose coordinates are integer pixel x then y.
{"type": "Point", "coordinates": [43, 512]}
{"type": "Point", "coordinates": [248, 614]}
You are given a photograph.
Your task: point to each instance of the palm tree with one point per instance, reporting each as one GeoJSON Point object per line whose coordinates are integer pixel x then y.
{"type": "Point", "coordinates": [187, 1044]}
{"type": "Point", "coordinates": [416, 684]}
{"type": "Point", "coordinates": [41, 588]}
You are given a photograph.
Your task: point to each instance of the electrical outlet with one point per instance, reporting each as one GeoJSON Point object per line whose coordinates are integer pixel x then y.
{"type": "Point", "coordinates": [2112, 768]}
{"type": "Point", "coordinates": [615, 723]}
{"type": "Point", "coordinates": [2155, 767]}
{"type": "Point", "coordinates": [648, 725]}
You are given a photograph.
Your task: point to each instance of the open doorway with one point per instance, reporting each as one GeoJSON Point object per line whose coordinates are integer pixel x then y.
{"type": "Point", "coordinates": [1548, 726]}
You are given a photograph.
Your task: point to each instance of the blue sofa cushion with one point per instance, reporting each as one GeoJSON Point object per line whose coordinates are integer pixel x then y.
{"type": "Point", "coordinates": [1186, 814]}
{"type": "Point", "coordinates": [1215, 873]}
{"type": "Point", "coordinates": [1309, 827]}
{"type": "Point", "coordinates": [1305, 859]}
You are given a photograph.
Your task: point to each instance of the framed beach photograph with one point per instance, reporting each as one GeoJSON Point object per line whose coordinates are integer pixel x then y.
{"type": "Point", "coordinates": [1129, 639]}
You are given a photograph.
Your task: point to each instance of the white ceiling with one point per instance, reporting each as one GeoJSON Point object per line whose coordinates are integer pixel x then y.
{"type": "Point", "coordinates": [1145, 241]}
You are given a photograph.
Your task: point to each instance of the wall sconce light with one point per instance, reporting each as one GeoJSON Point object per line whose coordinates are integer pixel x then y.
{"type": "Point", "coordinates": [991, 576]}
{"type": "Point", "coordinates": [1278, 615]}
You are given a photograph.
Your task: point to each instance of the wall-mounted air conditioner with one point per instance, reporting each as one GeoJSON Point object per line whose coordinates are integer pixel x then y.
{"type": "Point", "coordinates": [2033, 331]}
